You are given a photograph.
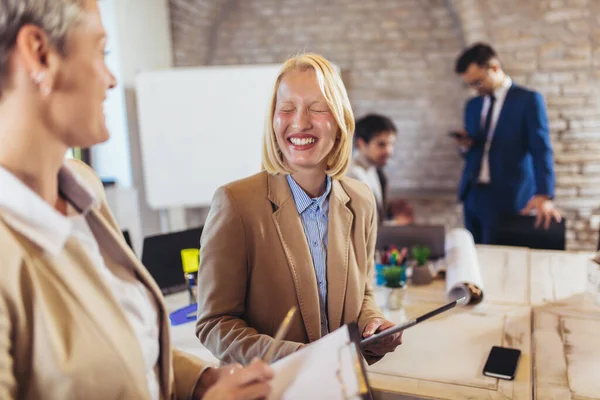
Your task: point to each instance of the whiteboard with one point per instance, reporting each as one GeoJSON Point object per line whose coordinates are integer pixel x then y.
{"type": "Point", "coordinates": [200, 128]}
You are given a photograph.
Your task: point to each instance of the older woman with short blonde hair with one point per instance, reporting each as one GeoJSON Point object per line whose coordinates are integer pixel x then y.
{"type": "Point", "coordinates": [297, 234]}
{"type": "Point", "coordinates": [80, 317]}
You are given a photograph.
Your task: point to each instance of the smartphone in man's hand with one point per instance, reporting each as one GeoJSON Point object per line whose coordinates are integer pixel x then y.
{"type": "Point", "coordinates": [462, 138]}
{"type": "Point", "coordinates": [456, 135]}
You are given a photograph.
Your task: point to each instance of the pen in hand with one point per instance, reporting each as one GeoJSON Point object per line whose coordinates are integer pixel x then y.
{"type": "Point", "coordinates": [281, 332]}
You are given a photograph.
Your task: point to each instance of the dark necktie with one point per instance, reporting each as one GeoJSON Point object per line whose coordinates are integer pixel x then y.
{"type": "Point", "coordinates": [484, 171]}
{"type": "Point", "coordinates": [488, 119]}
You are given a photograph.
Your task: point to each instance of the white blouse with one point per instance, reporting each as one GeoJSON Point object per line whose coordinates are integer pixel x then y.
{"type": "Point", "coordinates": [30, 215]}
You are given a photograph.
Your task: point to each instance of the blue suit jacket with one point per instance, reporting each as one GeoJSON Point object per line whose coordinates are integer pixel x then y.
{"type": "Point", "coordinates": [520, 157]}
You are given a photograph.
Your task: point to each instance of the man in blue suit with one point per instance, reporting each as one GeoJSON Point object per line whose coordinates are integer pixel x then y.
{"type": "Point", "coordinates": [509, 167]}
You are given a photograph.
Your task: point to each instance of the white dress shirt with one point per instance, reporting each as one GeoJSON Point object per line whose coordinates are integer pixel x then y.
{"type": "Point", "coordinates": [361, 170]}
{"type": "Point", "coordinates": [30, 215]}
{"type": "Point", "coordinates": [500, 95]}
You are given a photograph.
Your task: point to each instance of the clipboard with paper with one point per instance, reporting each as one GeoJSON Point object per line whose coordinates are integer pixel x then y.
{"type": "Point", "coordinates": [330, 368]}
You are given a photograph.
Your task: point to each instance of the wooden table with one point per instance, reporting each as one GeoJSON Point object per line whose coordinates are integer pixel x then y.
{"type": "Point", "coordinates": [566, 343]}
{"type": "Point", "coordinates": [444, 358]}
{"type": "Point", "coordinates": [566, 328]}
{"type": "Point", "coordinates": [534, 301]}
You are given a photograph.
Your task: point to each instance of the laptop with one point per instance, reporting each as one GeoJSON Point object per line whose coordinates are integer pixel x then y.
{"type": "Point", "coordinates": [161, 255]}
{"type": "Point", "coordinates": [432, 236]}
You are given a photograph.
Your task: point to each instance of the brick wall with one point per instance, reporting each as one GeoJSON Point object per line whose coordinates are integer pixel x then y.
{"type": "Point", "coordinates": [554, 47]}
{"type": "Point", "coordinates": [397, 58]}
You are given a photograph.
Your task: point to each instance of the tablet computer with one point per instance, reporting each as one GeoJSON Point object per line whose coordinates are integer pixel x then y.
{"type": "Point", "coordinates": [413, 322]}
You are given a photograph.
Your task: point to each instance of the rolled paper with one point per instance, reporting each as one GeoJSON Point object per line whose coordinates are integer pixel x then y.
{"type": "Point", "coordinates": [463, 275]}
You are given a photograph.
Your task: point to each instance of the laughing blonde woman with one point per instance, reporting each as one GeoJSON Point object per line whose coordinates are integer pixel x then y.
{"type": "Point", "coordinates": [298, 234]}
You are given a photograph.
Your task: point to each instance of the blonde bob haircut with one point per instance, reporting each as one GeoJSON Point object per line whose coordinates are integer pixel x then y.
{"type": "Point", "coordinates": [335, 94]}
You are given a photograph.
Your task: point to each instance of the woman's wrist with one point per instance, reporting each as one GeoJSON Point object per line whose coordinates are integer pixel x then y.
{"type": "Point", "coordinates": [207, 378]}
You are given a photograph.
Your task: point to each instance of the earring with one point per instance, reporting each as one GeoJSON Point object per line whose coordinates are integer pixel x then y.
{"type": "Point", "coordinates": [38, 77]}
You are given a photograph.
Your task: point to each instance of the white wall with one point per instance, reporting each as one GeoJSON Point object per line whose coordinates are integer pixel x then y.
{"type": "Point", "coordinates": [144, 36]}
{"type": "Point", "coordinates": [112, 158]}
{"type": "Point", "coordinates": [144, 41]}
{"type": "Point", "coordinates": [139, 39]}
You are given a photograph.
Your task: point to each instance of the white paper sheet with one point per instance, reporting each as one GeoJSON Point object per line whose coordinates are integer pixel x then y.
{"type": "Point", "coordinates": [326, 369]}
{"type": "Point", "coordinates": [462, 266]}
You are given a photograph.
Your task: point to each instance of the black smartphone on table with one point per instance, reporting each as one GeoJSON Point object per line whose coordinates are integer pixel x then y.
{"type": "Point", "coordinates": [502, 363]}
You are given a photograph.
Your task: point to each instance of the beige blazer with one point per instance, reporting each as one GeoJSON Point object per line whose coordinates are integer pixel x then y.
{"type": "Point", "coordinates": [63, 335]}
{"type": "Point", "coordinates": [256, 265]}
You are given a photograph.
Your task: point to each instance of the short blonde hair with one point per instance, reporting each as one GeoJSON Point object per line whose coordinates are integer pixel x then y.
{"type": "Point", "coordinates": [55, 17]}
{"type": "Point", "coordinates": [335, 94]}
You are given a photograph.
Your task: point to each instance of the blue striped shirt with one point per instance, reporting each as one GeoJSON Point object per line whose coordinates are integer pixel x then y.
{"type": "Point", "coordinates": [314, 216]}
